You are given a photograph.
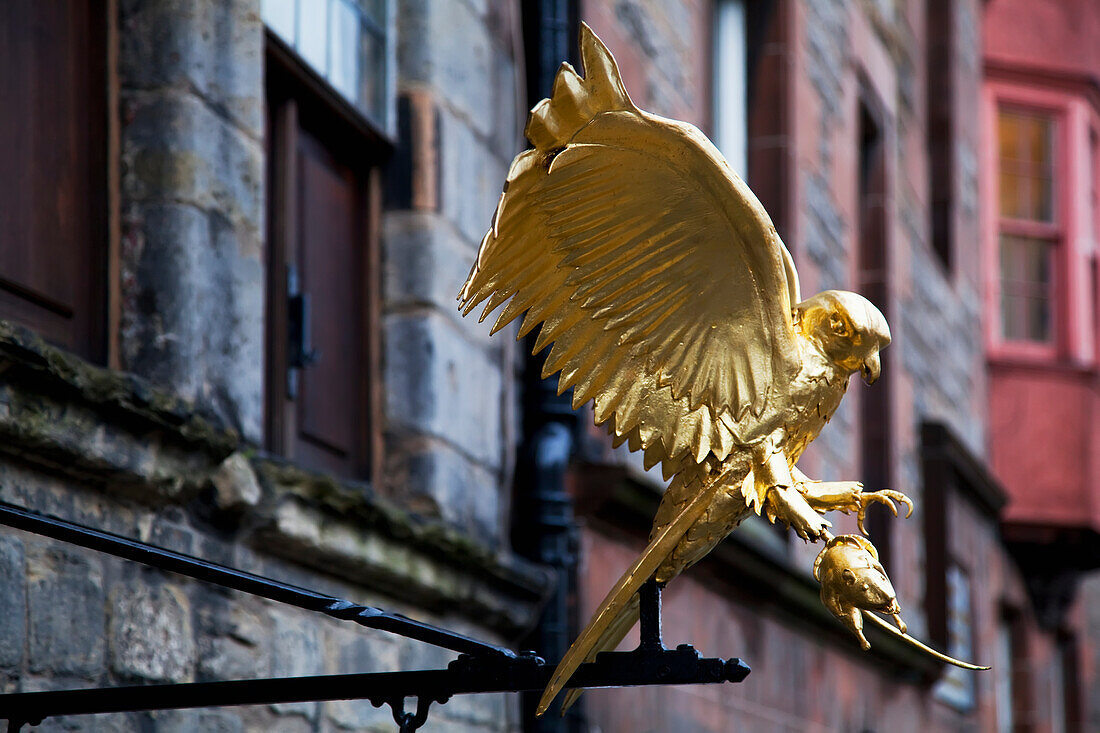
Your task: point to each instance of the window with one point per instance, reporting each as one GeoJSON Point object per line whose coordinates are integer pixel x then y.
{"type": "Point", "coordinates": [1028, 231]}
{"type": "Point", "coordinates": [324, 202]}
{"type": "Point", "coordinates": [876, 436]}
{"type": "Point", "coordinates": [1002, 669]}
{"type": "Point", "coordinates": [53, 206]}
{"type": "Point", "coordinates": [941, 124]}
{"type": "Point", "coordinates": [730, 93]}
{"type": "Point", "coordinates": [1058, 690]}
{"type": "Point", "coordinates": [345, 42]}
{"type": "Point", "coordinates": [1025, 288]}
{"type": "Point", "coordinates": [956, 686]}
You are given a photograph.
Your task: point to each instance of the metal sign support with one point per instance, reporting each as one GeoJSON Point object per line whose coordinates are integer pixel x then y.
{"type": "Point", "coordinates": [481, 667]}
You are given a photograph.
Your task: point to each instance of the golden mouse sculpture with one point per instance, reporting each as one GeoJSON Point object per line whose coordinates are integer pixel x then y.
{"type": "Point", "coordinates": [852, 581]}
{"type": "Point", "coordinates": [673, 305]}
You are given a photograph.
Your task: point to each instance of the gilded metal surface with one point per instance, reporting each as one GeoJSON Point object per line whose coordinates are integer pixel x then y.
{"type": "Point", "coordinates": [672, 304]}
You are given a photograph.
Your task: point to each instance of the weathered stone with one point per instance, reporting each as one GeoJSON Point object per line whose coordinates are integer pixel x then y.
{"type": "Point", "coordinates": [178, 148]}
{"type": "Point", "coordinates": [192, 186]}
{"type": "Point", "coordinates": [296, 651]}
{"type": "Point", "coordinates": [485, 710]}
{"type": "Point", "coordinates": [457, 61]}
{"type": "Point", "coordinates": [215, 48]}
{"type": "Point", "coordinates": [439, 383]}
{"type": "Point", "coordinates": [460, 491]}
{"type": "Point", "coordinates": [397, 569]}
{"type": "Point", "coordinates": [151, 635]}
{"type": "Point", "coordinates": [13, 602]}
{"type": "Point", "coordinates": [114, 723]}
{"type": "Point", "coordinates": [472, 177]}
{"type": "Point", "coordinates": [197, 304]}
{"type": "Point", "coordinates": [351, 652]}
{"type": "Point", "coordinates": [425, 264]}
{"type": "Point", "coordinates": [186, 721]}
{"type": "Point", "coordinates": [66, 613]}
{"type": "Point", "coordinates": [235, 483]}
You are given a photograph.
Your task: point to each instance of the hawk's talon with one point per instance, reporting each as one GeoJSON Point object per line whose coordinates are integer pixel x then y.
{"type": "Point", "coordinates": [883, 496]}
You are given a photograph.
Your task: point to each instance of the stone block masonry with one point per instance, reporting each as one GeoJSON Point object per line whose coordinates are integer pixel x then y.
{"type": "Point", "coordinates": [192, 267]}
{"type": "Point", "coordinates": [109, 450]}
{"type": "Point", "coordinates": [450, 404]}
{"type": "Point", "coordinates": [166, 449]}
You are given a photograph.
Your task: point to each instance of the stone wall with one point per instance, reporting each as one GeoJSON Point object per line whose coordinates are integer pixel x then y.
{"type": "Point", "coordinates": [192, 202]}
{"type": "Point", "coordinates": [110, 450]}
{"type": "Point", "coordinates": [166, 450]}
{"type": "Point", "coordinates": [451, 427]}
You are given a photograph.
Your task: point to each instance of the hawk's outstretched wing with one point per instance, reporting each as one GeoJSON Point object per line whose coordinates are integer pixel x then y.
{"type": "Point", "coordinates": [653, 269]}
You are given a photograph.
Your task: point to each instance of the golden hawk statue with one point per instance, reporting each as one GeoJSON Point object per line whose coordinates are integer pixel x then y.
{"type": "Point", "coordinates": [673, 305]}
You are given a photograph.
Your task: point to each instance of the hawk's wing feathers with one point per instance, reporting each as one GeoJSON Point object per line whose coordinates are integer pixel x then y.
{"type": "Point", "coordinates": [652, 268]}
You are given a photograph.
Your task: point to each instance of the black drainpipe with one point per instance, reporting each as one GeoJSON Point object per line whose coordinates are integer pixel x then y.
{"type": "Point", "coordinates": [543, 527]}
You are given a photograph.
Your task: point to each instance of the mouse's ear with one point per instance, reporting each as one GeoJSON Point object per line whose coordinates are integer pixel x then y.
{"type": "Point", "coordinates": [849, 576]}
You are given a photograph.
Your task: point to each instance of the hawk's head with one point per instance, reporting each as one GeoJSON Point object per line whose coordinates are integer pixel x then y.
{"type": "Point", "coordinates": [847, 328]}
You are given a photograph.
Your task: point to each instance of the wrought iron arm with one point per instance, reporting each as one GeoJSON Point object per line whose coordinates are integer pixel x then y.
{"type": "Point", "coordinates": [465, 675]}
{"type": "Point", "coordinates": [193, 567]}
{"type": "Point", "coordinates": [481, 668]}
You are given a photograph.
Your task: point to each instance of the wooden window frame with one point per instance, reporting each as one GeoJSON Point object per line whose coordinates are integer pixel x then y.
{"type": "Point", "coordinates": [87, 327]}
{"type": "Point", "coordinates": [289, 78]}
{"type": "Point", "coordinates": [1054, 109]}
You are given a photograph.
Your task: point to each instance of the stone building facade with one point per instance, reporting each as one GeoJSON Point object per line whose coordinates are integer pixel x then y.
{"type": "Point", "coordinates": [203, 165]}
{"type": "Point", "coordinates": [158, 422]}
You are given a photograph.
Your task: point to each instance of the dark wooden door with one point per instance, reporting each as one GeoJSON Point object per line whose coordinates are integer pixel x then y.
{"type": "Point", "coordinates": [322, 238]}
{"type": "Point", "coordinates": [331, 247]}
{"type": "Point", "coordinates": [53, 176]}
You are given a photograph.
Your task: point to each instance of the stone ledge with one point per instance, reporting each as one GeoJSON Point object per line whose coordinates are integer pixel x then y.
{"type": "Point", "coordinates": [105, 427]}
{"type": "Point", "coordinates": [342, 528]}
{"type": "Point", "coordinates": [95, 424]}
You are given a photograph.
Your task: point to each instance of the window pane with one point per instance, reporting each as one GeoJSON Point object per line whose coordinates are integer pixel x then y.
{"type": "Point", "coordinates": [344, 49]}
{"type": "Point", "coordinates": [730, 112]}
{"type": "Point", "coordinates": [1025, 288]}
{"type": "Point", "coordinates": [1025, 144]}
{"type": "Point", "coordinates": [1011, 193]}
{"type": "Point", "coordinates": [373, 92]}
{"type": "Point", "coordinates": [312, 35]}
{"type": "Point", "coordinates": [345, 41]}
{"type": "Point", "coordinates": [1008, 132]}
{"type": "Point", "coordinates": [1038, 140]}
{"type": "Point", "coordinates": [375, 11]}
{"type": "Point", "coordinates": [279, 17]}
{"type": "Point", "coordinates": [1040, 207]}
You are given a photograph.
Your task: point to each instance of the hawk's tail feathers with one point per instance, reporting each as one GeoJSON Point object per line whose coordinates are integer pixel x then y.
{"type": "Point", "coordinates": [620, 596]}
{"type": "Point", "coordinates": [611, 638]}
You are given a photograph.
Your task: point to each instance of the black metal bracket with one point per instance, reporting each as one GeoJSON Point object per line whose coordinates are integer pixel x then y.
{"type": "Point", "coordinates": [481, 667]}
{"type": "Point", "coordinates": [300, 351]}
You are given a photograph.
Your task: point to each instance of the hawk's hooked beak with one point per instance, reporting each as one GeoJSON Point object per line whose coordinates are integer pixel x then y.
{"type": "Point", "coordinates": [870, 369]}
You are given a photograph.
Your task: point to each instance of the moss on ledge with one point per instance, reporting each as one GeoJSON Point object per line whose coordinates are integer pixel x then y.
{"type": "Point", "coordinates": [355, 504]}
{"type": "Point", "coordinates": [118, 431]}
{"type": "Point", "coordinates": [26, 358]}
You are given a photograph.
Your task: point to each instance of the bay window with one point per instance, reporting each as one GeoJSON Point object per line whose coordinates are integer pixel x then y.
{"type": "Point", "coordinates": [1028, 228]}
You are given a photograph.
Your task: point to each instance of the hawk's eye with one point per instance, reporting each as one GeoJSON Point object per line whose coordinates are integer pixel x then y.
{"type": "Point", "coordinates": [838, 325]}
